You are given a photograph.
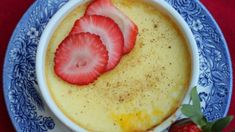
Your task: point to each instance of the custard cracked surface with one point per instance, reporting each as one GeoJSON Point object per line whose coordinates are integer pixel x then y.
{"type": "Point", "coordinates": [147, 85]}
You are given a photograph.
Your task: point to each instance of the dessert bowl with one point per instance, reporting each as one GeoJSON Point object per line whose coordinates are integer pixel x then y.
{"type": "Point", "coordinates": [69, 7]}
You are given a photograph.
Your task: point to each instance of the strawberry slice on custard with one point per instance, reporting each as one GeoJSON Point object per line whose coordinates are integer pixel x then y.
{"type": "Point", "coordinates": [128, 28]}
{"type": "Point", "coordinates": [80, 58]}
{"type": "Point", "coordinates": [109, 33]}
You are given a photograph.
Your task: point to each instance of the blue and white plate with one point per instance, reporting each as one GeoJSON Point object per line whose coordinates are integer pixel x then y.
{"type": "Point", "coordinates": [29, 113]}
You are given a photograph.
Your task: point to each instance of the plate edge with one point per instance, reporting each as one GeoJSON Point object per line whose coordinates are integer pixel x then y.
{"type": "Point", "coordinates": [6, 57]}
{"type": "Point", "coordinates": [227, 55]}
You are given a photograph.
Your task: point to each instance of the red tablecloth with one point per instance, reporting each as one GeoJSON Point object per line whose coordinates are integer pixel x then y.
{"type": "Point", "coordinates": [12, 10]}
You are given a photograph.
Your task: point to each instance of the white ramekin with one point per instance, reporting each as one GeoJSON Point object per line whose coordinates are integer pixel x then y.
{"type": "Point", "coordinates": [64, 11]}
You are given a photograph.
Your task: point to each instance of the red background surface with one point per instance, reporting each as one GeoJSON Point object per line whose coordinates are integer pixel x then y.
{"type": "Point", "coordinates": [12, 10]}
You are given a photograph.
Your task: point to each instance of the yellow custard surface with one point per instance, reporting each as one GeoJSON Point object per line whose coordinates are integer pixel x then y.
{"type": "Point", "coordinates": [145, 88]}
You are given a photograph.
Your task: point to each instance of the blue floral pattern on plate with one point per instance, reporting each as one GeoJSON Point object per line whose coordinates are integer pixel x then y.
{"type": "Point", "coordinates": [28, 111]}
{"type": "Point", "coordinates": [215, 67]}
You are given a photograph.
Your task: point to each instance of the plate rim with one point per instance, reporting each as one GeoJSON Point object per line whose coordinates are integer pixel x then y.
{"type": "Point", "coordinates": [5, 62]}
{"type": "Point", "coordinates": [228, 55]}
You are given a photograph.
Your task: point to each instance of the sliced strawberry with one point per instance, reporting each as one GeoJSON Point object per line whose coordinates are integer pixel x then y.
{"type": "Point", "coordinates": [80, 58]}
{"type": "Point", "coordinates": [109, 33]}
{"type": "Point", "coordinates": [128, 28]}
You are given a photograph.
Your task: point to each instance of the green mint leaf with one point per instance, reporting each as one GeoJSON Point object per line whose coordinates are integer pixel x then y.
{"type": "Point", "coordinates": [208, 127]}
{"type": "Point", "coordinates": [189, 111]}
{"type": "Point", "coordinates": [196, 101]}
{"type": "Point", "coordinates": [222, 123]}
{"type": "Point", "coordinates": [202, 122]}
{"type": "Point", "coordinates": [199, 121]}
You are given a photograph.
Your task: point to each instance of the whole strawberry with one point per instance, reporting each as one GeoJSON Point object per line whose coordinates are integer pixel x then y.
{"type": "Point", "coordinates": [184, 125]}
